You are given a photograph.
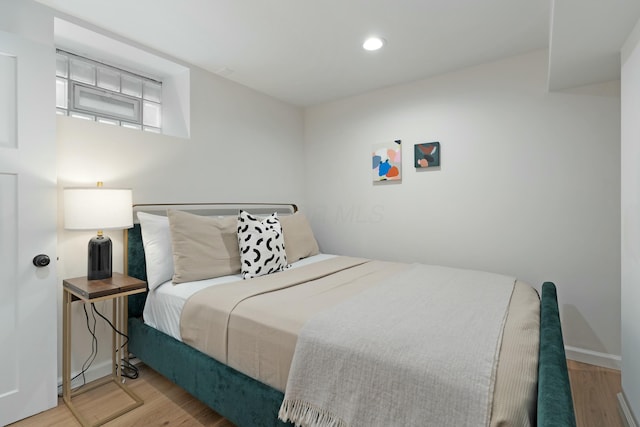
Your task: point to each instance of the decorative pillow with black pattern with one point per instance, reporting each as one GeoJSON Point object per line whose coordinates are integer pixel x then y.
{"type": "Point", "coordinates": [261, 245]}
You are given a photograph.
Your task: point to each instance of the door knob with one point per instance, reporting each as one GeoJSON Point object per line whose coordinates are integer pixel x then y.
{"type": "Point", "coordinates": [41, 260]}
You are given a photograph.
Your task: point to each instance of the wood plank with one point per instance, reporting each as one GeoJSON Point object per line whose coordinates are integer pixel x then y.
{"type": "Point", "coordinates": [594, 392]}
{"type": "Point", "coordinates": [93, 289]}
{"type": "Point", "coordinates": [594, 395]}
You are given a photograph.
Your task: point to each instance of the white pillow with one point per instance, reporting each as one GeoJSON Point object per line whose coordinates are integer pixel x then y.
{"type": "Point", "coordinates": [261, 245]}
{"type": "Point", "coordinates": [156, 239]}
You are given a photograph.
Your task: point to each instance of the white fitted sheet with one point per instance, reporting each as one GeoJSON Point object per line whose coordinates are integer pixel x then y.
{"type": "Point", "coordinates": [164, 304]}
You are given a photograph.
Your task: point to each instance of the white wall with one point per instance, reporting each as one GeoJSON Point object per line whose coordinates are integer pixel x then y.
{"type": "Point", "coordinates": [244, 146]}
{"type": "Point", "coordinates": [630, 201]}
{"type": "Point", "coordinates": [28, 19]}
{"type": "Point", "coordinates": [529, 185]}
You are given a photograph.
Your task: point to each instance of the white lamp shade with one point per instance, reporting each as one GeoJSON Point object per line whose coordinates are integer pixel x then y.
{"type": "Point", "coordinates": [97, 208]}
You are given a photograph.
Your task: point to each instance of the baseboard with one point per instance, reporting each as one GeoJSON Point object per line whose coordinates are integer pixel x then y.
{"type": "Point", "coordinates": [625, 412]}
{"type": "Point", "coordinates": [94, 372]}
{"type": "Point", "coordinates": [593, 357]}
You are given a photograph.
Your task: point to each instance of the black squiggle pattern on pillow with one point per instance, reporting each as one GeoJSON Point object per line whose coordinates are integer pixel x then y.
{"type": "Point", "coordinates": [261, 245]}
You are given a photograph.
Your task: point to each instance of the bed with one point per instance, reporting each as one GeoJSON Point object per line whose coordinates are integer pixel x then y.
{"type": "Point", "coordinates": [255, 399]}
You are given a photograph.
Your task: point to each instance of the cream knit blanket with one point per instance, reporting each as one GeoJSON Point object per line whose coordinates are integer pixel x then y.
{"type": "Point", "coordinates": [420, 349]}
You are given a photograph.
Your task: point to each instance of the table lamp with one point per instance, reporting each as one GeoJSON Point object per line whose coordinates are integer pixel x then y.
{"type": "Point", "coordinates": [98, 208]}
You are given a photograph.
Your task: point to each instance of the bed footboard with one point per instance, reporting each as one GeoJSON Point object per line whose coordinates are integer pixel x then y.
{"type": "Point", "coordinates": [555, 404]}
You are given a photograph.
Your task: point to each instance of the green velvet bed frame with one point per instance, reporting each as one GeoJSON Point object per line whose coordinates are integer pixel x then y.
{"type": "Point", "coordinates": [249, 403]}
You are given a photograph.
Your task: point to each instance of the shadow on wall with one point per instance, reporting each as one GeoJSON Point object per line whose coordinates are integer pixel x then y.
{"type": "Point", "coordinates": [573, 320]}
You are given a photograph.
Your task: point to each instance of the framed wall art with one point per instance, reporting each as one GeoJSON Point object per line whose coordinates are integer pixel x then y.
{"type": "Point", "coordinates": [427, 155]}
{"type": "Point", "coordinates": [387, 161]}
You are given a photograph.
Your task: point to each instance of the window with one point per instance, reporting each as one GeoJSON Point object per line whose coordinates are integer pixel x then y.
{"type": "Point", "coordinates": [92, 90]}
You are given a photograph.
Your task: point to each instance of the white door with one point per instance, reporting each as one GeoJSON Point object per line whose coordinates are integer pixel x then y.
{"type": "Point", "coordinates": [28, 198]}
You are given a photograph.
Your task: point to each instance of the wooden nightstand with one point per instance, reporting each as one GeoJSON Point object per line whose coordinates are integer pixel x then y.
{"type": "Point", "coordinates": [80, 288]}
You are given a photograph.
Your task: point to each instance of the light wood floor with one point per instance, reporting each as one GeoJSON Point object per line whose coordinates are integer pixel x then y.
{"type": "Point", "coordinates": [594, 396]}
{"type": "Point", "coordinates": [594, 391]}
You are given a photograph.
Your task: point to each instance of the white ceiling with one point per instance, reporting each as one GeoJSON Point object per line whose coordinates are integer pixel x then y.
{"type": "Point", "coordinates": [586, 37]}
{"type": "Point", "coordinates": [307, 52]}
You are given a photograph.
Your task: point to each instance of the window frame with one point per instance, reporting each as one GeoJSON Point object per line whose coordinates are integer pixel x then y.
{"type": "Point", "coordinates": [75, 88]}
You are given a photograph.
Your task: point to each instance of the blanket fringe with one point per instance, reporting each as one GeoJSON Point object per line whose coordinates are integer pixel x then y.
{"type": "Point", "coordinates": [305, 414]}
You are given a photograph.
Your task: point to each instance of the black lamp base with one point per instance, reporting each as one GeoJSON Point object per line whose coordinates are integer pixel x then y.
{"type": "Point", "coordinates": [99, 265]}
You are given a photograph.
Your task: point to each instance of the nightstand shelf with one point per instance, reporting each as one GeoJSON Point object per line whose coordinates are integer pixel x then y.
{"type": "Point", "coordinates": [115, 288]}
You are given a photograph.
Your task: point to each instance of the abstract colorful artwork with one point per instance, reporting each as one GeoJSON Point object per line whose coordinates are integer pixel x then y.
{"type": "Point", "coordinates": [387, 161]}
{"type": "Point", "coordinates": [427, 155]}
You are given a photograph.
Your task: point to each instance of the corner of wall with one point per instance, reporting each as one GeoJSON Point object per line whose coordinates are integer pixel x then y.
{"type": "Point", "coordinates": [630, 220]}
{"type": "Point", "coordinates": [630, 44]}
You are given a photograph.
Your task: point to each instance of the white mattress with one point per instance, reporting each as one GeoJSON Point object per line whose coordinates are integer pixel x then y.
{"type": "Point", "coordinates": [164, 304]}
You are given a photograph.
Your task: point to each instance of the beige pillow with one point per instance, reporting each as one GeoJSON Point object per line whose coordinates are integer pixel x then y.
{"type": "Point", "coordinates": [203, 247]}
{"type": "Point", "coordinates": [299, 241]}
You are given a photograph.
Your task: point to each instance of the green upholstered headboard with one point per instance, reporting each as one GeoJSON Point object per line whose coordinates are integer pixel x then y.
{"type": "Point", "coordinates": [135, 267]}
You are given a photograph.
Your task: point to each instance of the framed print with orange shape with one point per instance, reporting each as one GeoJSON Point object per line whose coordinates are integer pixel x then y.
{"type": "Point", "coordinates": [427, 155]}
{"type": "Point", "coordinates": [387, 161]}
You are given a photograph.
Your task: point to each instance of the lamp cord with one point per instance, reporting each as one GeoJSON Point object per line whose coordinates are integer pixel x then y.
{"type": "Point", "coordinates": [127, 369]}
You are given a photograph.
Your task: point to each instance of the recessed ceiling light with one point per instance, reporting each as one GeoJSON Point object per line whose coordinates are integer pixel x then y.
{"type": "Point", "coordinates": [373, 43]}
